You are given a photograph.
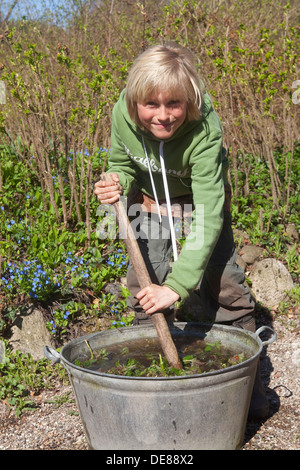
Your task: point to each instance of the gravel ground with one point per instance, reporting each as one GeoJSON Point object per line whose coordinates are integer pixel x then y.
{"type": "Point", "coordinates": [56, 425]}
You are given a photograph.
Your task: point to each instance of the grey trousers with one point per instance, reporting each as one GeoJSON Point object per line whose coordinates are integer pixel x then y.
{"type": "Point", "coordinates": [221, 295]}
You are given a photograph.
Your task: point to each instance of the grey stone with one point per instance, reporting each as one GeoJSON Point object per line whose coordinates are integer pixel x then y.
{"type": "Point", "coordinates": [292, 231]}
{"type": "Point", "coordinates": [270, 280]}
{"type": "Point", "coordinates": [30, 334]}
{"type": "Point", "coordinates": [2, 351]}
{"type": "Point", "coordinates": [113, 288]}
{"type": "Point", "coordinates": [241, 262]}
{"type": "Point", "coordinates": [250, 253]}
{"type": "Point", "coordinates": [239, 235]}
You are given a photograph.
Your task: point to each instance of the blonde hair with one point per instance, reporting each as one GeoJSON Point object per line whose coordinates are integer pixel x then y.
{"type": "Point", "coordinates": [168, 68]}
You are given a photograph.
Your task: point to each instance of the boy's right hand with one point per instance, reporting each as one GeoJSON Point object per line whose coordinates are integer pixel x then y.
{"type": "Point", "coordinates": [108, 192]}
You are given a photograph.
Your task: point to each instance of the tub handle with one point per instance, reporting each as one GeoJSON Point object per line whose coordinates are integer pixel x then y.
{"type": "Point", "coordinates": [51, 354]}
{"type": "Point", "coordinates": [270, 340]}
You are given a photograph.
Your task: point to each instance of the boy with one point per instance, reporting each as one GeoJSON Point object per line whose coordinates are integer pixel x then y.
{"type": "Point", "coordinates": [167, 153]}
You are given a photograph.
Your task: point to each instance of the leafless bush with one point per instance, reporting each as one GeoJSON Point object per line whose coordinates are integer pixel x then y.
{"type": "Point", "coordinates": [63, 82]}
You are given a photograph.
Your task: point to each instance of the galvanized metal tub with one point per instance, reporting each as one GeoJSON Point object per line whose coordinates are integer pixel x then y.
{"type": "Point", "coordinates": [205, 411]}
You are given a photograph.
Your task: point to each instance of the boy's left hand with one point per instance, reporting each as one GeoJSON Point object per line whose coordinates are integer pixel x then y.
{"type": "Point", "coordinates": [155, 298]}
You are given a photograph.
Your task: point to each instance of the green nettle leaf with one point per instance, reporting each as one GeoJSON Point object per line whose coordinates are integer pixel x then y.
{"type": "Point", "coordinates": [34, 241]}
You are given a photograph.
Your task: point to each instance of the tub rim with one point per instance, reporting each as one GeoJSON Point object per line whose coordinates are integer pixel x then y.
{"type": "Point", "coordinates": [58, 357]}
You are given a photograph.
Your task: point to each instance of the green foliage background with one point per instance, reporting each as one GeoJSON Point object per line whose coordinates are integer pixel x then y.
{"type": "Point", "coordinates": [63, 73]}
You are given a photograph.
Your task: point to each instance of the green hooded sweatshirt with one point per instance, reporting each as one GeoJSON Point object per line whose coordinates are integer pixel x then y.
{"type": "Point", "coordinates": [195, 164]}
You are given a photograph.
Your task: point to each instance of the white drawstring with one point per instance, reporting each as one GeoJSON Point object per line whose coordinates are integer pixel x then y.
{"type": "Point", "coordinates": [152, 181]}
{"type": "Point", "coordinates": [169, 210]}
{"type": "Point", "coordinates": [166, 188]}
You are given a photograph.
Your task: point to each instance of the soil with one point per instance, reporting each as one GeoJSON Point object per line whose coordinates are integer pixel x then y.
{"type": "Point", "coordinates": [55, 424]}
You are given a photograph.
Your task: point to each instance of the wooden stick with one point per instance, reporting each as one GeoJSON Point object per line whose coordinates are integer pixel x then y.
{"type": "Point", "coordinates": [144, 280]}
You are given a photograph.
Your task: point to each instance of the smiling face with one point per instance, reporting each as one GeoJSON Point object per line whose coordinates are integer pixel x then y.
{"type": "Point", "coordinates": [162, 114]}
